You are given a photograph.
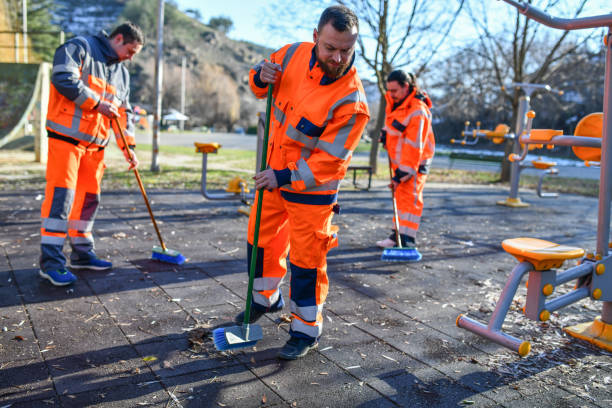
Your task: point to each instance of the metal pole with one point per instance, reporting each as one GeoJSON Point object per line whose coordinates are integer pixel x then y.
{"type": "Point", "coordinates": [605, 190]}
{"type": "Point", "coordinates": [62, 37]}
{"type": "Point", "coordinates": [16, 47]}
{"type": "Point", "coordinates": [183, 70]}
{"type": "Point", "coordinates": [24, 3]}
{"type": "Point", "coordinates": [515, 172]}
{"type": "Point", "coordinates": [158, 84]}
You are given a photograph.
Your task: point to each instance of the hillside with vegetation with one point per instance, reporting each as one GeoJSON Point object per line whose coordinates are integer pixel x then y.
{"type": "Point", "coordinates": [217, 91]}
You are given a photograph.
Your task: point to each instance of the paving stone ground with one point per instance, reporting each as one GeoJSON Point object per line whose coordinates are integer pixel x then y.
{"type": "Point", "coordinates": [139, 335]}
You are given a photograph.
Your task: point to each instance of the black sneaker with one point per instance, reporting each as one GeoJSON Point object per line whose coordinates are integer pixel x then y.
{"type": "Point", "coordinates": [254, 316]}
{"type": "Point", "coordinates": [296, 347]}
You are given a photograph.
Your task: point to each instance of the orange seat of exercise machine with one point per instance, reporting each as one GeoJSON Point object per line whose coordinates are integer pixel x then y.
{"type": "Point", "coordinates": [544, 135]}
{"type": "Point", "coordinates": [207, 147]}
{"type": "Point", "coordinates": [589, 126]}
{"type": "Point", "coordinates": [543, 165]}
{"type": "Point", "coordinates": [543, 255]}
{"type": "Point", "coordinates": [497, 135]}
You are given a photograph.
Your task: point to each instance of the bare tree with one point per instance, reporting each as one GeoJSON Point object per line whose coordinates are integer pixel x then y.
{"type": "Point", "coordinates": [400, 34]}
{"type": "Point", "coordinates": [511, 50]}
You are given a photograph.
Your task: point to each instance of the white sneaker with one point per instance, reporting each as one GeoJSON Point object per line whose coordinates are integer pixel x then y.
{"type": "Point", "coordinates": [386, 243]}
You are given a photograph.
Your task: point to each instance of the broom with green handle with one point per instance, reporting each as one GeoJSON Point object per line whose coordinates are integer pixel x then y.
{"type": "Point", "coordinates": [247, 335]}
{"type": "Point", "coordinates": [160, 253]}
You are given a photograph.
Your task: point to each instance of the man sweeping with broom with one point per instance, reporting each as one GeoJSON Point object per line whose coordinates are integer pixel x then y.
{"type": "Point", "coordinates": [318, 114]}
{"type": "Point", "coordinates": [89, 88]}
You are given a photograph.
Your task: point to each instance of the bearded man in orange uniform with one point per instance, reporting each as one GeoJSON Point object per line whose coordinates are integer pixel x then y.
{"type": "Point", "coordinates": [319, 112]}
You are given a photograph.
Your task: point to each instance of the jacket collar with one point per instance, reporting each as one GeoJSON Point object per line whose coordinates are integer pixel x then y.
{"type": "Point", "coordinates": [105, 46]}
{"type": "Point", "coordinates": [327, 80]}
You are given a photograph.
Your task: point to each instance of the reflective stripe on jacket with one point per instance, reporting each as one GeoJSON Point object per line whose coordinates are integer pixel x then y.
{"type": "Point", "coordinates": [410, 138]}
{"type": "Point", "coordinates": [316, 123]}
{"type": "Point", "coordinates": [86, 70]}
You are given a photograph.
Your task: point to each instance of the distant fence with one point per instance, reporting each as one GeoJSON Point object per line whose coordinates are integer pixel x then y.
{"type": "Point", "coordinates": [13, 48]}
{"type": "Point", "coordinates": [24, 96]}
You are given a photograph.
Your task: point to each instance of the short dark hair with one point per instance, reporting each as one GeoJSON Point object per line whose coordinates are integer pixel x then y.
{"type": "Point", "coordinates": [402, 77]}
{"type": "Point", "coordinates": [342, 18]}
{"type": "Point", "coordinates": [130, 32]}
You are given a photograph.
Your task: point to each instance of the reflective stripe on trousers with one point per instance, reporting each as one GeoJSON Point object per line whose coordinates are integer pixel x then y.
{"type": "Point", "coordinates": [72, 196]}
{"type": "Point", "coordinates": [308, 231]}
{"type": "Point", "coordinates": [409, 197]}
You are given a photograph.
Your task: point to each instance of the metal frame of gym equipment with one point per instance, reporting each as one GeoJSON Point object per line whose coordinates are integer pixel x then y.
{"type": "Point", "coordinates": [237, 188]}
{"type": "Point", "coordinates": [502, 133]}
{"type": "Point", "coordinates": [513, 199]}
{"type": "Point", "coordinates": [538, 258]}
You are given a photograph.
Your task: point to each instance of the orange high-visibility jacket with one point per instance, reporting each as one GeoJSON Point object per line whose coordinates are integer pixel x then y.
{"type": "Point", "coordinates": [410, 138]}
{"type": "Point", "coordinates": [86, 70]}
{"type": "Point", "coordinates": [315, 126]}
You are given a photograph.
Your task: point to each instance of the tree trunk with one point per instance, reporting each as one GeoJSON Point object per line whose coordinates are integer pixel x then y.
{"type": "Point", "coordinates": [380, 121]}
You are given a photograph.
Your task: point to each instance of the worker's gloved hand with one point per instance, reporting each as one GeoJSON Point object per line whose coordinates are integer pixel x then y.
{"type": "Point", "coordinates": [401, 176]}
{"type": "Point", "coordinates": [133, 161]}
{"type": "Point", "coordinates": [265, 179]}
{"type": "Point", "coordinates": [270, 72]}
{"type": "Point", "coordinates": [383, 138]}
{"type": "Point", "coordinates": [107, 109]}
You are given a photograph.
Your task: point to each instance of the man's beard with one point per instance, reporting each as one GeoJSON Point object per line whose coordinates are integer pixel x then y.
{"type": "Point", "coordinates": [331, 71]}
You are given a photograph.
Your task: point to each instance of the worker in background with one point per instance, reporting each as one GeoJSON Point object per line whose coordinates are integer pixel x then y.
{"type": "Point", "coordinates": [89, 87]}
{"type": "Point", "coordinates": [409, 139]}
{"type": "Point", "coordinates": [319, 112]}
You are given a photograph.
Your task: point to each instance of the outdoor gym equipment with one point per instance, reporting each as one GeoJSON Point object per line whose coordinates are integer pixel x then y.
{"type": "Point", "coordinates": [497, 136]}
{"type": "Point", "coordinates": [513, 199]}
{"type": "Point", "coordinates": [501, 133]}
{"type": "Point", "coordinates": [237, 187]}
{"type": "Point", "coordinates": [539, 258]}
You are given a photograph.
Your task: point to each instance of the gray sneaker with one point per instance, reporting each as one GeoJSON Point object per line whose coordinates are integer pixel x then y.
{"type": "Point", "coordinates": [296, 347]}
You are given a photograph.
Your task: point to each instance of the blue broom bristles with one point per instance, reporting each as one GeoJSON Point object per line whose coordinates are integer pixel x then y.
{"type": "Point", "coordinates": [401, 254]}
{"type": "Point", "coordinates": [222, 344]}
{"type": "Point", "coordinates": [168, 256]}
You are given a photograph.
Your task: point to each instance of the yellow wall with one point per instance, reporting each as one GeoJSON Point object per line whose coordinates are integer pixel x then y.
{"type": "Point", "coordinates": [7, 41]}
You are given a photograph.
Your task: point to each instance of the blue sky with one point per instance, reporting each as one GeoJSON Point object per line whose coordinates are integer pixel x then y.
{"type": "Point", "coordinates": [251, 18]}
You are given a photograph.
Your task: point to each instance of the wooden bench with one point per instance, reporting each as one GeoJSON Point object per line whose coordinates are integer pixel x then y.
{"type": "Point", "coordinates": [355, 169]}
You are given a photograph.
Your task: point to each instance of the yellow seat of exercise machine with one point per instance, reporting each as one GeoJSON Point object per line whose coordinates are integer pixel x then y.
{"type": "Point", "coordinates": [543, 135]}
{"type": "Point", "coordinates": [497, 135]}
{"type": "Point", "coordinates": [543, 165]}
{"type": "Point", "coordinates": [237, 185]}
{"type": "Point", "coordinates": [543, 255]}
{"type": "Point", "coordinates": [207, 147]}
{"type": "Point", "coordinates": [589, 126]}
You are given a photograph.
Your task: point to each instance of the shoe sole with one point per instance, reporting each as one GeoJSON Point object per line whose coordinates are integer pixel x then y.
{"type": "Point", "coordinates": [292, 357]}
{"type": "Point", "coordinates": [94, 268]}
{"type": "Point", "coordinates": [53, 281]}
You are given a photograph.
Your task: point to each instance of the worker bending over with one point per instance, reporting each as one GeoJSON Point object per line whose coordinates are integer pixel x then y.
{"type": "Point", "coordinates": [409, 139]}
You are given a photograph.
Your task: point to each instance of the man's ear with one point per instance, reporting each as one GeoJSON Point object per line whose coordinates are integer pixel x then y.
{"type": "Point", "coordinates": [118, 39]}
{"type": "Point", "coordinates": [315, 34]}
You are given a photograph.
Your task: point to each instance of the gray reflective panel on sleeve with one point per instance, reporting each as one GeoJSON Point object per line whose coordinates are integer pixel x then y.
{"type": "Point", "coordinates": [350, 98]}
{"type": "Point", "coordinates": [289, 54]}
{"type": "Point", "coordinates": [296, 135]}
{"type": "Point", "coordinates": [337, 148]}
{"type": "Point", "coordinates": [306, 174]}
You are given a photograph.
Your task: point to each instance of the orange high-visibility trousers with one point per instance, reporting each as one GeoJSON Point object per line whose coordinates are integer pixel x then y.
{"type": "Point", "coordinates": [409, 197]}
{"type": "Point", "coordinates": [72, 196]}
{"type": "Point", "coordinates": [307, 230]}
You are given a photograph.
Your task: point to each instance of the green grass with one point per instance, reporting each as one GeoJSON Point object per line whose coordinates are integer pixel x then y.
{"type": "Point", "coordinates": [181, 170]}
